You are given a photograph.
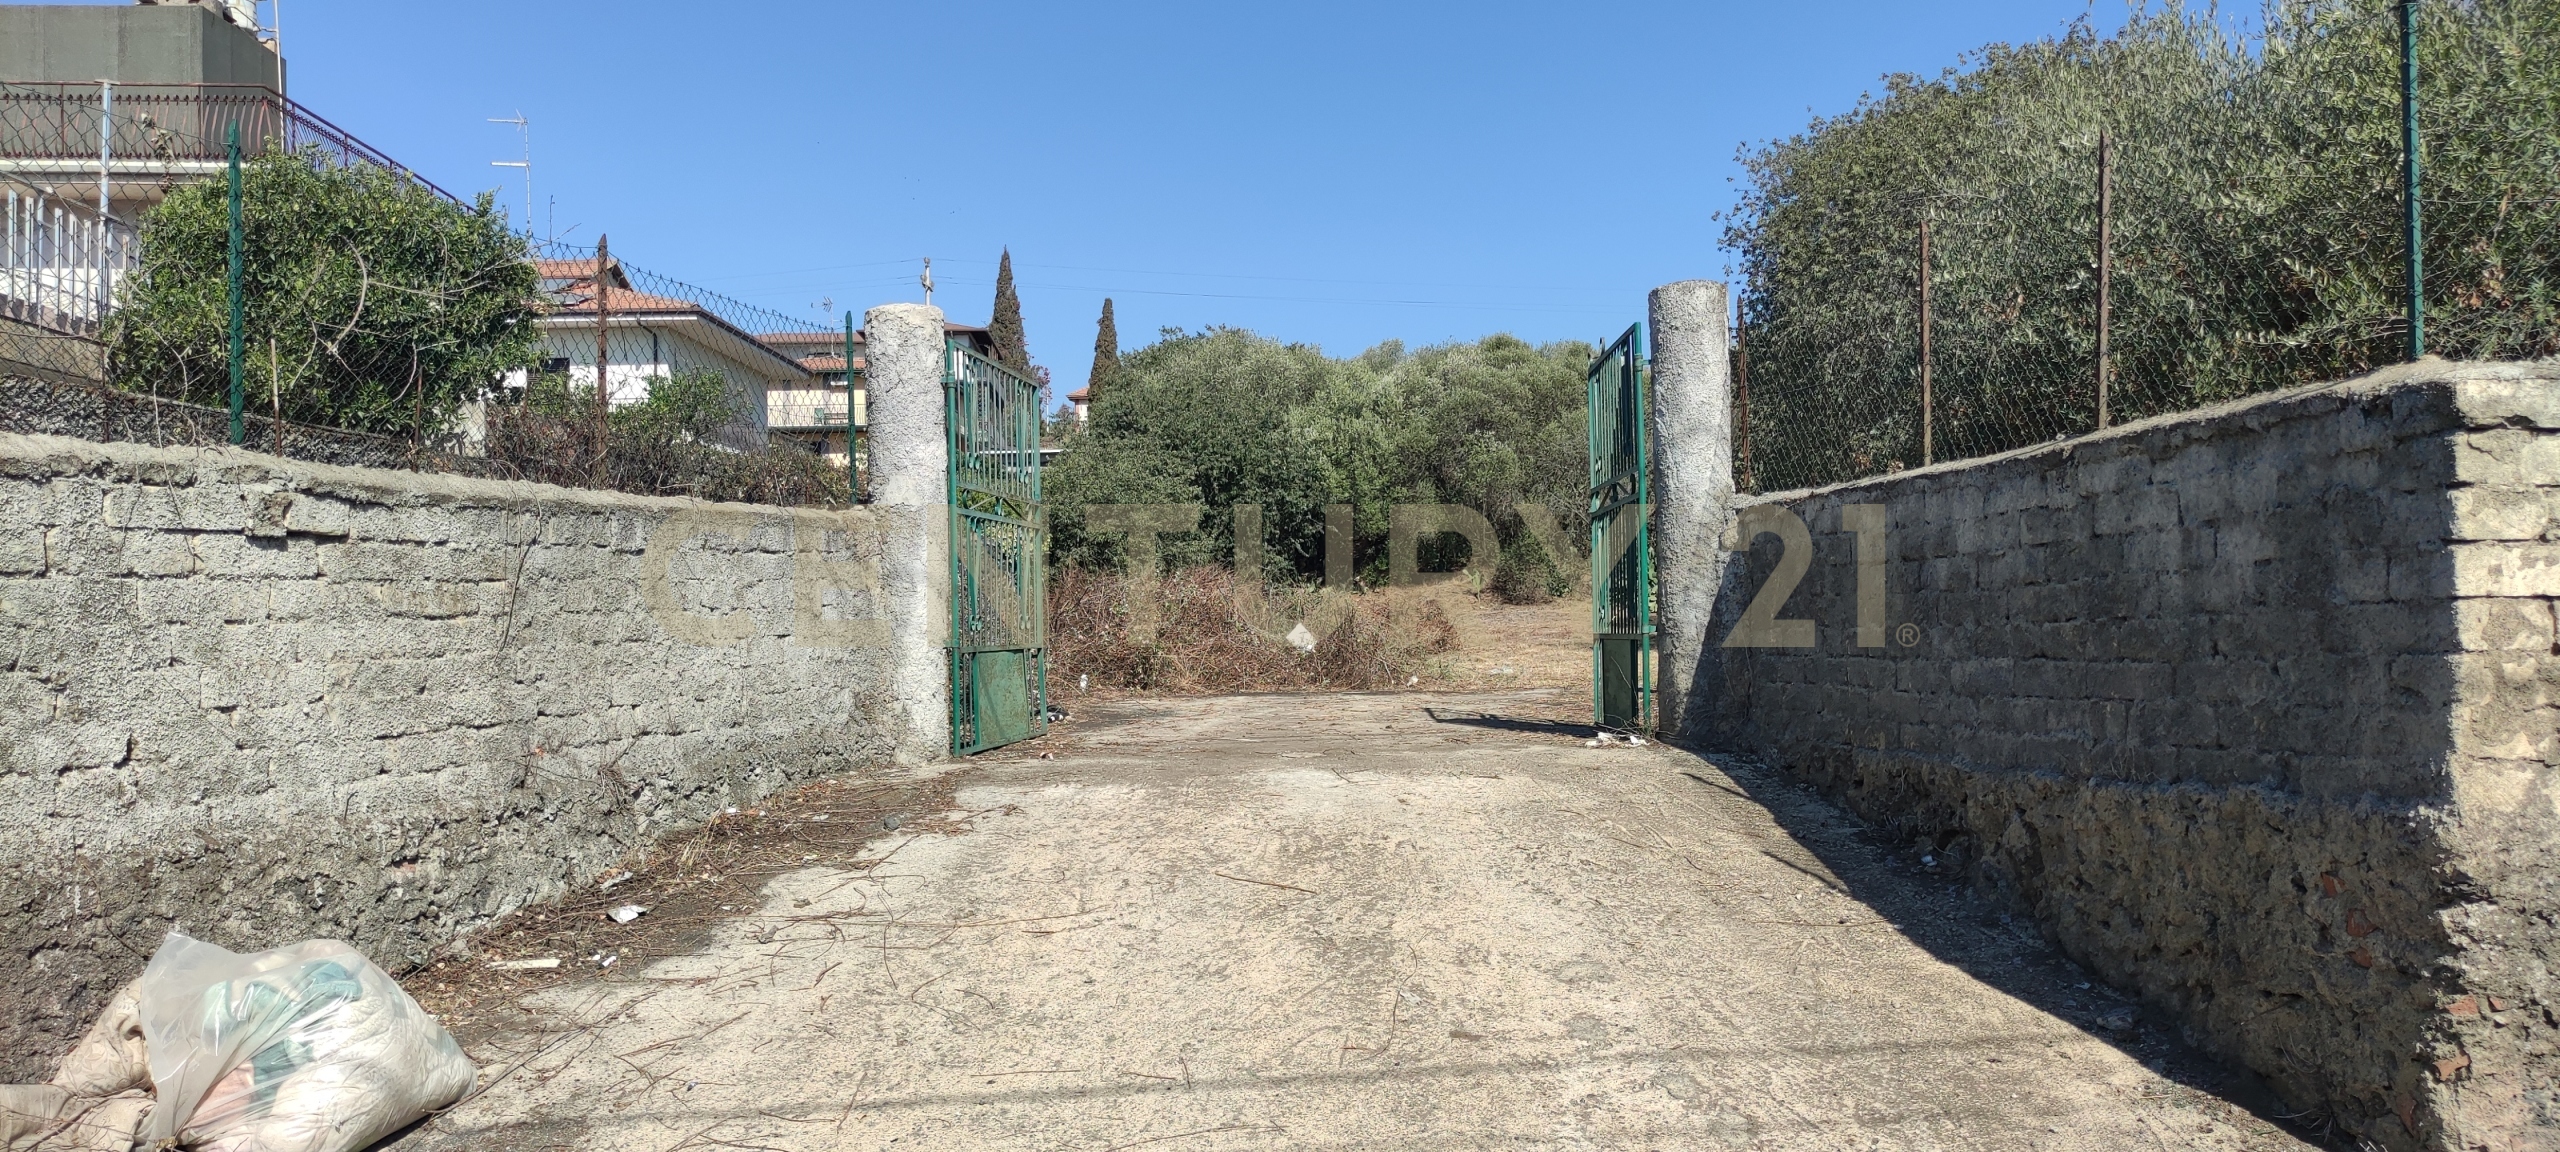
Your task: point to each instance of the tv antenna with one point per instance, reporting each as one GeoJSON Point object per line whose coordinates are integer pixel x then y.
{"type": "Point", "coordinates": [927, 279]}
{"type": "Point", "coordinates": [524, 128]}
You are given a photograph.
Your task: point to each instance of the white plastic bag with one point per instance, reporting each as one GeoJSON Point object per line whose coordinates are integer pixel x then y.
{"type": "Point", "coordinates": [309, 1048]}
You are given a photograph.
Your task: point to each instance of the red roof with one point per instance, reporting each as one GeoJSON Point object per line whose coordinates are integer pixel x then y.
{"type": "Point", "coordinates": [580, 299]}
{"type": "Point", "coordinates": [571, 284]}
{"type": "Point", "coordinates": [565, 269]}
{"type": "Point", "coordinates": [1081, 395]}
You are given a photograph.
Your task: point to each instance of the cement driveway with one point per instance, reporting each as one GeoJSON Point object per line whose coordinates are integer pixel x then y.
{"type": "Point", "coordinates": [1352, 921]}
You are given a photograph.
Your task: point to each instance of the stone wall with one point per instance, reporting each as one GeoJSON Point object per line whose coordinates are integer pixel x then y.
{"type": "Point", "coordinates": [2251, 707]}
{"type": "Point", "coordinates": [272, 700]}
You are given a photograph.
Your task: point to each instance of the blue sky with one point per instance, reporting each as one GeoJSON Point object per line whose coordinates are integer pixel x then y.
{"type": "Point", "coordinates": [1330, 173]}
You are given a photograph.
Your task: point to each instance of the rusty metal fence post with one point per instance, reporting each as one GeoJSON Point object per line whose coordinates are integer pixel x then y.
{"type": "Point", "coordinates": [604, 355]}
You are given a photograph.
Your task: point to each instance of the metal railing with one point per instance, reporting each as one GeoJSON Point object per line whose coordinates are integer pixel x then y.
{"type": "Point", "coordinates": [150, 133]}
{"type": "Point", "coordinates": [61, 261]}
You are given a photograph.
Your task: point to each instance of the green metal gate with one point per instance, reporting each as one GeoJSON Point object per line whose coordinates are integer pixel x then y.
{"type": "Point", "coordinates": [999, 586]}
{"type": "Point", "coordinates": [1621, 539]}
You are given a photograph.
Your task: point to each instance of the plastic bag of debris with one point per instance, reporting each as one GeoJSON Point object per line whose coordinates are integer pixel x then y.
{"type": "Point", "coordinates": [51, 1118]}
{"type": "Point", "coordinates": [309, 1048]}
{"type": "Point", "coordinates": [100, 1096]}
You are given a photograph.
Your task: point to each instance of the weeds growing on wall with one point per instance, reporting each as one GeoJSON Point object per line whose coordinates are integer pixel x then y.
{"type": "Point", "coordinates": [657, 447]}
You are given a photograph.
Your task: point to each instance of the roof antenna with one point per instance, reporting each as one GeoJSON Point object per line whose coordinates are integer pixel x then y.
{"type": "Point", "coordinates": [524, 127]}
{"type": "Point", "coordinates": [927, 279]}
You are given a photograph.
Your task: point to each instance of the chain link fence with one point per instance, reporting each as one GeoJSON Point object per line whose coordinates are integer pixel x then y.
{"type": "Point", "coordinates": [1923, 276]}
{"type": "Point", "coordinates": [221, 248]}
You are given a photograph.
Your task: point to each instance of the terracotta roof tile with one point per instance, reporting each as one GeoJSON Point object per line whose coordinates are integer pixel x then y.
{"type": "Point", "coordinates": [579, 299]}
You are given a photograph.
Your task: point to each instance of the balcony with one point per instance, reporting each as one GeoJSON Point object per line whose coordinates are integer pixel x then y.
{"type": "Point", "coordinates": [149, 136]}
{"type": "Point", "coordinates": [806, 418]}
{"type": "Point", "coordinates": [60, 261]}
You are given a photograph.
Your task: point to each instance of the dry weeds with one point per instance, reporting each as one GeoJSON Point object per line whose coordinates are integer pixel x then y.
{"type": "Point", "coordinates": [1197, 632]}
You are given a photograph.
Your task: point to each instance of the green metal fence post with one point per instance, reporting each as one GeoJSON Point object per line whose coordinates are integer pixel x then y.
{"type": "Point", "coordinates": [239, 395]}
{"type": "Point", "coordinates": [2409, 177]}
{"type": "Point", "coordinates": [852, 432]}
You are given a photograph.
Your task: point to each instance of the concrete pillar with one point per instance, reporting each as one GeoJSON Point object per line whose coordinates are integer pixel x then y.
{"type": "Point", "coordinates": [1691, 422]}
{"type": "Point", "coordinates": [910, 460]}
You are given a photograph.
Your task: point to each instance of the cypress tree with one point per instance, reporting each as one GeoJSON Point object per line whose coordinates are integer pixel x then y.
{"type": "Point", "coordinates": [1004, 328]}
{"type": "Point", "coordinates": [1106, 354]}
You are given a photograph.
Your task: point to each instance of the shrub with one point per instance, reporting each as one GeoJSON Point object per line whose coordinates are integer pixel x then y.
{"type": "Point", "coordinates": [371, 302]}
{"type": "Point", "coordinates": [656, 447]}
{"type": "Point", "coordinates": [1527, 575]}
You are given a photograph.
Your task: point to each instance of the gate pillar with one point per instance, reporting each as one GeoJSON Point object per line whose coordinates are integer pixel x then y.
{"type": "Point", "coordinates": [1691, 423]}
{"type": "Point", "coordinates": [903, 349]}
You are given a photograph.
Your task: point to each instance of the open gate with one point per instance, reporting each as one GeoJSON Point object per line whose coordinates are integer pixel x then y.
{"type": "Point", "coordinates": [1621, 539]}
{"type": "Point", "coordinates": [999, 584]}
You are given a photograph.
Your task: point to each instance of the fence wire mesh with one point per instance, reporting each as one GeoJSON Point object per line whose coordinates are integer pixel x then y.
{"type": "Point", "coordinates": [2254, 239]}
{"type": "Point", "coordinates": [374, 303]}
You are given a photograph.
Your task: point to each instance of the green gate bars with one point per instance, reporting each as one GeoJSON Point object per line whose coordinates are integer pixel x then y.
{"type": "Point", "coordinates": [999, 589]}
{"type": "Point", "coordinates": [1621, 539]}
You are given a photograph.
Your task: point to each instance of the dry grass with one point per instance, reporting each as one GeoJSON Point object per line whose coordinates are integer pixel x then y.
{"type": "Point", "coordinates": [1197, 632]}
{"type": "Point", "coordinates": [1206, 635]}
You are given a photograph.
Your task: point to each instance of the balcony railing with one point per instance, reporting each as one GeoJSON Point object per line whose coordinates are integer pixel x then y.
{"type": "Point", "coordinates": [161, 132]}
{"type": "Point", "coordinates": [60, 260]}
{"type": "Point", "coordinates": [801, 417]}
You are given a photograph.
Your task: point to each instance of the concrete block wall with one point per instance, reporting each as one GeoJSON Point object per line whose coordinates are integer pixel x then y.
{"type": "Point", "coordinates": [272, 700]}
{"type": "Point", "coordinates": [2253, 708]}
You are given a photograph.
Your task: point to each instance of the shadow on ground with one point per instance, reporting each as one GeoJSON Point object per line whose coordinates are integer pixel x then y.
{"type": "Point", "coordinates": [1964, 927]}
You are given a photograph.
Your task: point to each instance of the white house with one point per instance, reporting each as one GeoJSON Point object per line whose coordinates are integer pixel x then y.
{"type": "Point", "coordinates": [651, 337]}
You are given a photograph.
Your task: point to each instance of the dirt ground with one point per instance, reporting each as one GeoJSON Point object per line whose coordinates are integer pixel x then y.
{"type": "Point", "coordinates": [1315, 921]}
{"type": "Point", "coordinates": [1517, 645]}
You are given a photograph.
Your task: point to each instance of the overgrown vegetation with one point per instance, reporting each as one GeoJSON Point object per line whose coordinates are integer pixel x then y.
{"type": "Point", "coordinates": [658, 447]}
{"type": "Point", "coordinates": [1227, 417]}
{"type": "Point", "coordinates": [371, 303]}
{"type": "Point", "coordinates": [2256, 219]}
{"type": "Point", "coordinates": [1200, 630]}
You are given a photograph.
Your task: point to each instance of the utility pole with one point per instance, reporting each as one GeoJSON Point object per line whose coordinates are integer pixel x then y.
{"type": "Point", "coordinates": [2106, 255]}
{"type": "Point", "coordinates": [1928, 446]}
{"type": "Point", "coordinates": [2409, 177]}
{"type": "Point", "coordinates": [604, 355]}
{"type": "Point", "coordinates": [524, 128]}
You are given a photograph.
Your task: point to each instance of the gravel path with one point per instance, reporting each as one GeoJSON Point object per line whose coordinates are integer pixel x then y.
{"type": "Point", "coordinates": [1350, 921]}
